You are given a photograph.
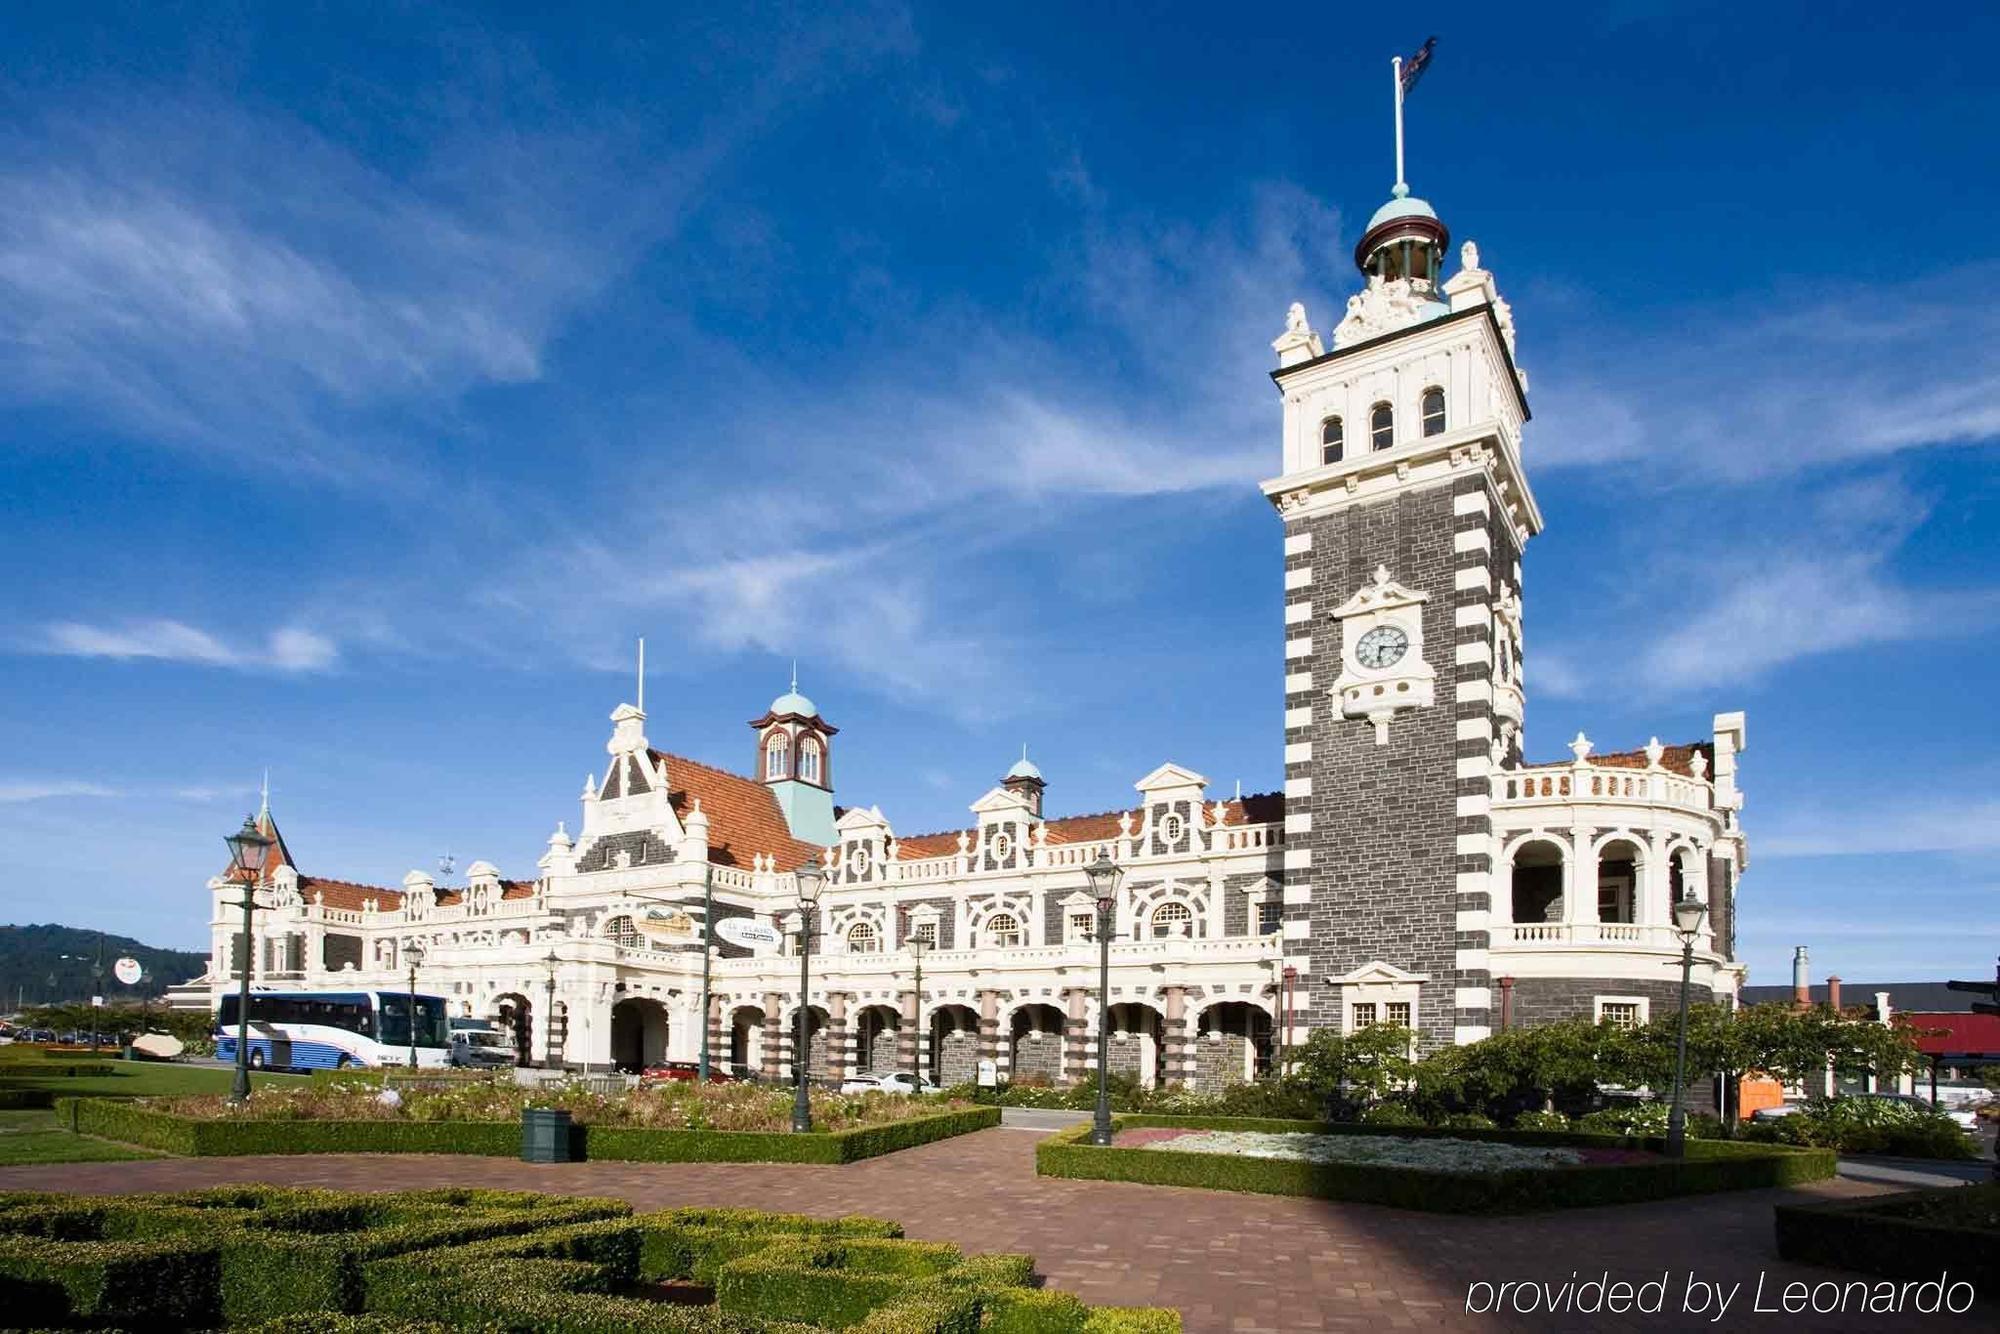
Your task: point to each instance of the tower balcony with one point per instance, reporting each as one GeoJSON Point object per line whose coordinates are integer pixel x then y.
{"type": "Point", "coordinates": [1589, 784]}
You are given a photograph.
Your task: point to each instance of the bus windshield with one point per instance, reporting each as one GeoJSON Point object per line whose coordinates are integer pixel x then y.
{"type": "Point", "coordinates": [395, 1025]}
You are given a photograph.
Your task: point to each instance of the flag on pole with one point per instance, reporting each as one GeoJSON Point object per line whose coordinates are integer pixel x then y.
{"type": "Point", "coordinates": [1414, 67]}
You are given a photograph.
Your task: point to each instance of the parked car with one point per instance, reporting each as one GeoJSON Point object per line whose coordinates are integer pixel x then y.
{"type": "Point", "coordinates": [1964, 1117]}
{"type": "Point", "coordinates": [479, 1049]}
{"type": "Point", "coordinates": [679, 1072]}
{"type": "Point", "coordinates": [894, 1081]}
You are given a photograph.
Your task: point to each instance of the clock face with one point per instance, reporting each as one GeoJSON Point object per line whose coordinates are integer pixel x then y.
{"type": "Point", "coordinates": [1384, 646]}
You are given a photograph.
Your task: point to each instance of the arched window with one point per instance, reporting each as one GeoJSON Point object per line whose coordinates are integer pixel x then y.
{"type": "Point", "coordinates": [620, 932]}
{"type": "Point", "coordinates": [809, 761]}
{"type": "Point", "coordinates": [861, 939]}
{"type": "Point", "coordinates": [1381, 426]}
{"type": "Point", "coordinates": [1332, 437]}
{"type": "Point", "coordinates": [777, 756]}
{"type": "Point", "coordinates": [1172, 919]}
{"type": "Point", "coordinates": [1433, 404]}
{"type": "Point", "coordinates": [1003, 931]}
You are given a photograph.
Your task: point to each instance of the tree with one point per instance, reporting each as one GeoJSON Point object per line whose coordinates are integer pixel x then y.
{"type": "Point", "coordinates": [1350, 1070]}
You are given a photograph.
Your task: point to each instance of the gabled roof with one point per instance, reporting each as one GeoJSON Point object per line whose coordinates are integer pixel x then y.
{"type": "Point", "coordinates": [744, 819]}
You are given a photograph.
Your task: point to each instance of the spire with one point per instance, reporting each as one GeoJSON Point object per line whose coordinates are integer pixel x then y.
{"type": "Point", "coordinates": [795, 676]}
{"type": "Point", "coordinates": [642, 674]}
{"type": "Point", "coordinates": [264, 799]}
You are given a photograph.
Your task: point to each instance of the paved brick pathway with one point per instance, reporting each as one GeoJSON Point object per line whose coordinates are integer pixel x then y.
{"type": "Point", "coordinates": [1229, 1262]}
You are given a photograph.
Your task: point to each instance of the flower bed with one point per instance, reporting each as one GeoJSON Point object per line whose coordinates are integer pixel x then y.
{"type": "Point", "coordinates": [1464, 1171]}
{"type": "Point", "coordinates": [1917, 1235]}
{"type": "Point", "coordinates": [288, 1261]}
{"type": "Point", "coordinates": [141, 1122]}
{"type": "Point", "coordinates": [685, 1106]}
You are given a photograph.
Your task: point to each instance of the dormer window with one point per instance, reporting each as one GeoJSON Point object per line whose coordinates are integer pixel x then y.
{"type": "Point", "coordinates": [1332, 440]}
{"type": "Point", "coordinates": [809, 761]}
{"type": "Point", "coordinates": [1433, 405]}
{"type": "Point", "coordinates": [777, 756]}
{"type": "Point", "coordinates": [1381, 426]}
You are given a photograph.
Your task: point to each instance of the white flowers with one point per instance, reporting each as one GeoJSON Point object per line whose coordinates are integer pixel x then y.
{"type": "Point", "coordinates": [1430, 1155]}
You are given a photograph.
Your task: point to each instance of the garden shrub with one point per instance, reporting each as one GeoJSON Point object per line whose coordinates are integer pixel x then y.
{"type": "Point", "coordinates": [1916, 1235]}
{"type": "Point", "coordinates": [695, 1243]}
{"type": "Point", "coordinates": [1467, 1121]}
{"type": "Point", "coordinates": [1390, 1114]}
{"type": "Point", "coordinates": [1632, 1118]}
{"type": "Point", "coordinates": [807, 1280]}
{"type": "Point", "coordinates": [167, 1284]}
{"type": "Point", "coordinates": [1555, 1121]}
{"type": "Point", "coordinates": [1710, 1165]}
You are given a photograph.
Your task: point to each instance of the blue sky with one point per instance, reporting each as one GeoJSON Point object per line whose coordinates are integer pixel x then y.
{"type": "Point", "coordinates": [373, 375]}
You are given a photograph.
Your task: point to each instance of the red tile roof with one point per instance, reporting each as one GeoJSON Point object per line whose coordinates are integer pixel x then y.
{"type": "Point", "coordinates": [1675, 759]}
{"type": "Point", "coordinates": [1259, 808]}
{"type": "Point", "coordinates": [744, 819]}
{"type": "Point", "coordinates": [348, 895]}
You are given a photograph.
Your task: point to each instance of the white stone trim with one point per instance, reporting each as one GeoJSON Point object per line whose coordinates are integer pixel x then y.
{"type": "Point", "coordinates": [1473, 998]}
{"type": "Point", "coordinates": [1298, 859]}
{"type": "Point", "coordinates": [1466, 1033]}
{"type": "Point", "coordinates": [1298, 752]}
{"type": "Point", "coordinates": [1471, 539]}
{"type": "Point", "coordinates": [1471, 577]}
{"type": "Point", "coordinates": [1470, 961]}
{"type": "Point", "coordinates": [1299, 648]}
{"type": "Point", "coordinates": [1298, 544]}
{"type": "Point", "coordinates": [1302, 577]}
{"type": "Point", "coordinates": [1472, 502]}
{"type": "Point", "coordinates": [1300, 822]}
{"type": "Point", "coordinates": [1298, 613]}
{"type": "Point", "coordinates": [1299, 787]}
{"type": "Point", "coordinates": [1644, 1003]}
{"type": "Point", "coordinates": [1301, 716]}
{"type": "Point", "coordinates": [1297, 683]}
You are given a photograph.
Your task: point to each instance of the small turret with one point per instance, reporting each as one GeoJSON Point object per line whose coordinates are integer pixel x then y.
{"type": "Point", "coordinates": [1026, 780]}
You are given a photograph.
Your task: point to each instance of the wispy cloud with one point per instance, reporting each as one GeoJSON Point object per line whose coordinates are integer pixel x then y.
{"type": "Point", "coordinates": [23, 789]}
{"type": "Point", "coordinates": [289, 649]}
{"type": "Point", "coordinates": [1774, 384]}
{"type": "Point", "coordinates": [1816, 576]}
{"type": "Point", "coordinates": [1944, 824]}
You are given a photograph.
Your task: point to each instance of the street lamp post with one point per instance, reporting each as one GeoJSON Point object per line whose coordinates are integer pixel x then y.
{"type": "Point", "coordinates": [811, 879]}
{"type": "Point", "coordinates": [1688, 914]}
{"type": "Point", "coordinates": [413, 954]}
{"type": "Point", "coordinates": [249, 848]}
{"type": "Point", "coordinates": [549, 1013]}
{"type": "Point", "coordinates": [707, 953]}
{"type": "Point", "coordinates": [1104, 877]}
{"type": "Point", "coordinates": [917, 946]}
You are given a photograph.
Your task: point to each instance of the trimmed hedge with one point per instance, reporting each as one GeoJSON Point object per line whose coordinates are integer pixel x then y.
{"type": "Point", "coordinates": [1710, 1165]}
{"type": "Point", "coordinates": [148, 1284]}
{"type": "Point", "coordinates": [26, 1099]}
{"type": "Point", "coordinates": [57, 1070]}
{"type": "Point", "coordinates": [1891, 1235]}
{"type": "Point", "coordinates": [286, 1260]}
{"type": "Point", "coordinates": [198, 1138]}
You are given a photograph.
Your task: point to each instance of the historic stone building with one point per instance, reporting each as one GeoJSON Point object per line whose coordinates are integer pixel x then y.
{"type": "Point", "coordinates": [1416, 869]}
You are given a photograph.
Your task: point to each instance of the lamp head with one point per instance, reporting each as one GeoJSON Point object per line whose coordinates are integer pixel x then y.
{"type": "Point", "coordinates": [811, 878]}
{"type": "Point", "coordinates": [1104, 877]}
{"type": "Point", "coordinates": [1688, 915]}
{"type": "Point", "coordinates": [249, 849]}
{"type": "Point", "coordinates": [413, 954]}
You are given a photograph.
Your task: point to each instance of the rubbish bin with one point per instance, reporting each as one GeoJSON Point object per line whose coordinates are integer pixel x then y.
{"type": "Point", "coordinates": [545, 1136]}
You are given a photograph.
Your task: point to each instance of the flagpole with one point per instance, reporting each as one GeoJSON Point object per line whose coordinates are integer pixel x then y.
{"type": "Point", "coordinates": [1396, 73]}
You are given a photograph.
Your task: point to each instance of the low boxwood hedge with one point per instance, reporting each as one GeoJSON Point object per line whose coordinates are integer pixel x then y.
{"type": "Point", "coordinates": [1915, 1235]}
{"type": "Point", "coordinates": [286, 1260]}
{"type": "Point", "coordinates": [199, 1138]}
{"type": "Point", "coordinates": [26, 1099]}
{"type": "Point", "coordinates": [1709, 1165]}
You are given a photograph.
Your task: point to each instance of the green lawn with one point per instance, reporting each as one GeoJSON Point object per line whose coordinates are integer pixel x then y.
{"type": "Point", "coordinates": [34, 1136]}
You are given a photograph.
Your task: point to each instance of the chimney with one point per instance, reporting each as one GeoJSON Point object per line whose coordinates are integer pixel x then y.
{"type": "Point", "coordinates": [1882, 1012]}
{"type": "Point", "coordinates": [1801, 979]}
{"type": "Point", "coordinates": [1833, 993]}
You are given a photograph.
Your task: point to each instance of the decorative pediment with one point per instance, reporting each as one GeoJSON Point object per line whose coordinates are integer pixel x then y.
{"type": "Point", "coordinates": [1168, 777]}
{"type": "Point", "coordinates": [862, 821]}
{"type": "Point", "coordinates": [1378, 973]}
{"type": "Point", "coordinates": [1004, 804]}
{"type": "Point", "coordinates": [1381, 594]}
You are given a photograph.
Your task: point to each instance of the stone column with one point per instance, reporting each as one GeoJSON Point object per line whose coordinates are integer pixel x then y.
{"type": "Point", "coordinates": [839, 1042]}
{"type": "Point", "coordinates": [774, 1035]}
{"type": "Point", "coordinates": [907, 1034]}
{"type": "Point", "coordinates": [1177, 1045]}
{"type": "Point", "coordinates": [1079, 1046]}
{"type": "Point", "coordinates": [989, 1030]}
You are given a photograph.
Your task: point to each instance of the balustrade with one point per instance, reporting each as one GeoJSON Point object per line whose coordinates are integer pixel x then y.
{"type": "Point", "coordinates": [1652, 787]}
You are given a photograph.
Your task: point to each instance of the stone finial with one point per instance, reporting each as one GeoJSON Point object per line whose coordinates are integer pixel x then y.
{"type": "Point", "coordinates": [561, 839]}
{"type": "Point", "coordinates": [964, 842]}
{"type": "Point", "coordinates": [590, 787]}
{"type": "Point", "coordinates": [1468, 256]}
{"type": "Point", "coordinates": [1580, 747]}
{"type": "Point", "coordinates": [1298, 342]}
{"type": "Point", "coordinates": [1653, 752]}
{"type": "Point", "coordinates": [1125, 824]}
{"type": "Point", "coordinates": [1698, 765]}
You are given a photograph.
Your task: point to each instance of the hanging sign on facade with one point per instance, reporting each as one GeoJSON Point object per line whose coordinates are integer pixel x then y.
{"type": "Point", "coordinates": [668, 928]}
{"type": "Point", "coordinates": [128, 971]}
{"type": "Point", "coordinates": [748, 932]}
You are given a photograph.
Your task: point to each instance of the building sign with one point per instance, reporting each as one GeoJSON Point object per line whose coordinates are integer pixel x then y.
{"type": "Point", "coordinates": [128, 971]}
{"type": "Point", "coordinates": [748, 932]}
{"type": "Point", "coordinates": [668, 928]}
{"type": "Point", "coordinates": [989, 1074]}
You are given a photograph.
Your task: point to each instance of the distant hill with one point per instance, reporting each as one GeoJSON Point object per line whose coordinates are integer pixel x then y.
{"type": "Point", "coordinates": [31, 955]}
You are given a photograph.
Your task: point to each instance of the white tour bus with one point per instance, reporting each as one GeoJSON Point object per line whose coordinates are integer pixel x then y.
{"type": "Point", "coordinates": [334, 1030]}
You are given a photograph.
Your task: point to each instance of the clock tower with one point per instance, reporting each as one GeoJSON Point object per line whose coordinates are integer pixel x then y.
{"type": "Point", "coordinates": [1405, 512]}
